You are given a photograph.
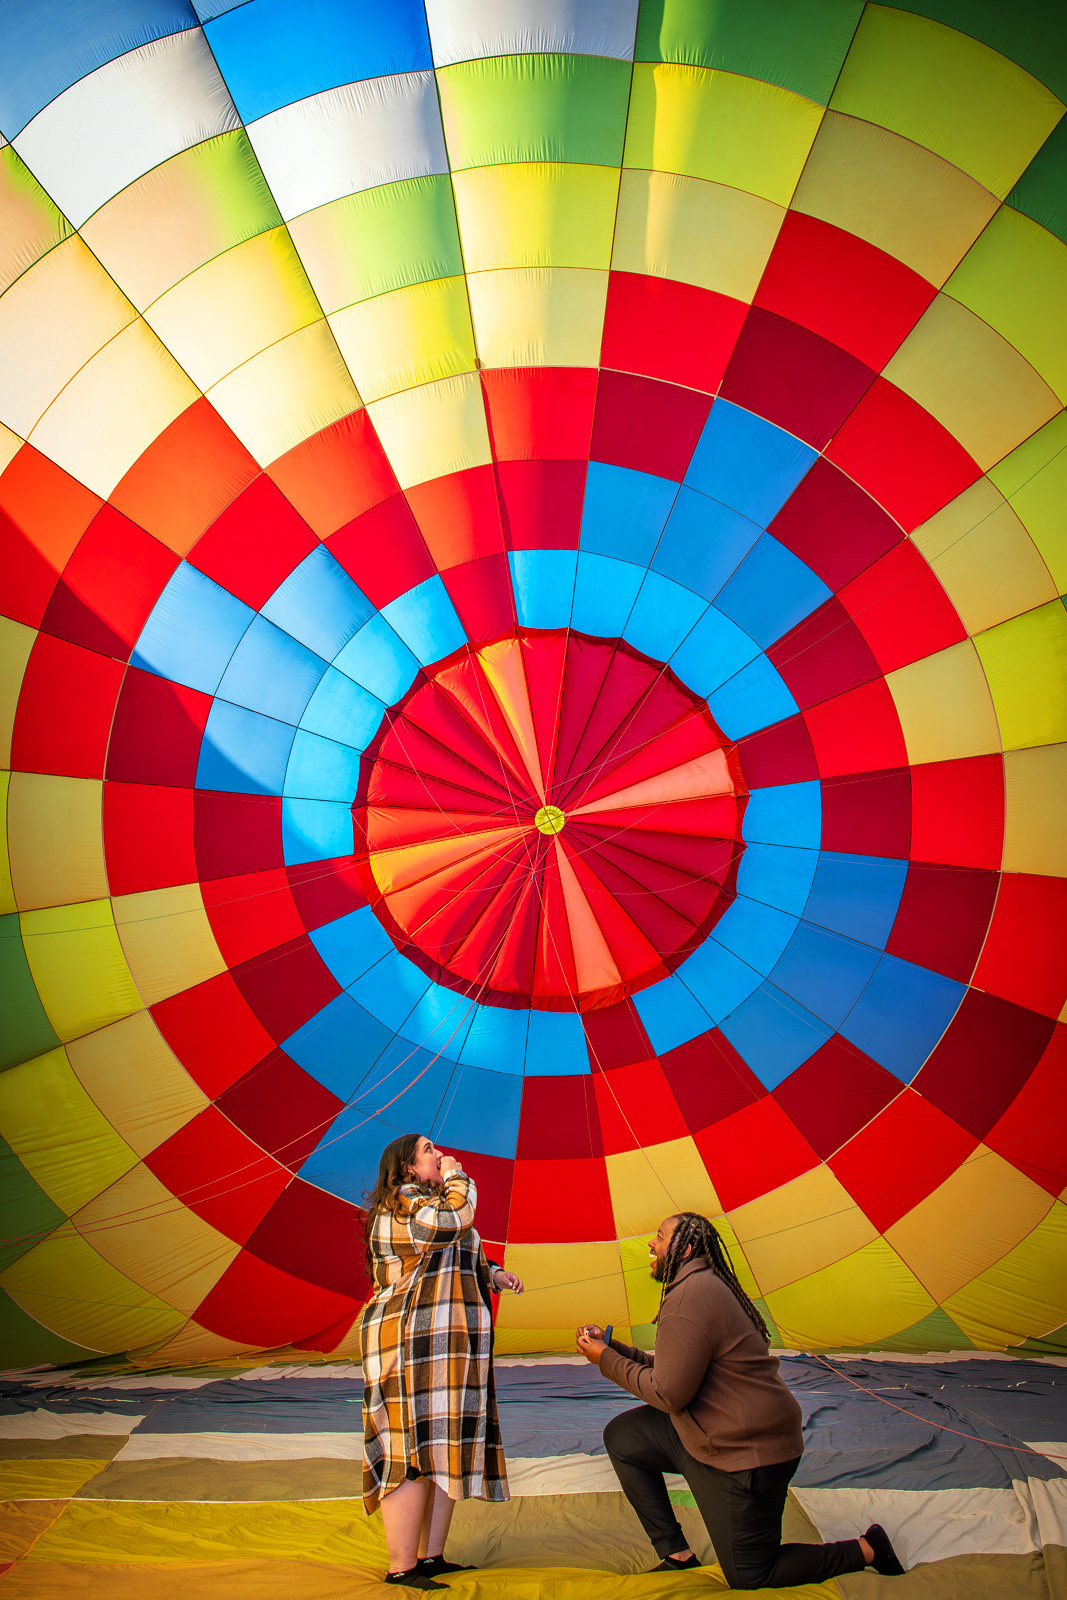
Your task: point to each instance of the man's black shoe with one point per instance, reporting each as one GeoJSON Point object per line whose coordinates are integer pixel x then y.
{"type": "Point", "coordinates": [886, 1560]}
{"type": "Point", "coordinates": [669, 1564]}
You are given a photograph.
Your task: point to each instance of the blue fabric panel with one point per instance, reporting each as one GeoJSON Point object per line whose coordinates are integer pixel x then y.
{"type": "Point", "coordinates": [207, 9]}
{"type": "Point", "coordinates": [346, 1161]}
{"type": "Point", "coordinates": [343, 710]}
{"type": "Point", "coordinates": [273, 52]}
{"type": "Point", "coordinates": [352, 944]}
{"type": "Point", "coordinates": [825, 971]}
{"type": "Point", "coordinates": [754, 698]}
{"type": "Point", "coordinates": [243, 752]}
{"type": "Point", "coordinates": [319, 604]}
{"type": "Point", "coordinates": [604, 594]}
{"type": "Point", "coordinates": [547, 1409]}
{"type": "Point", "coordinates": [337, 1045]}
{"type": "Point", "coordinates": [555, 1045]}
{"type": "Point", "coordinates": [713, 653]}
{"type": "Point", "coordinates": [380, 662]}
{"type": "Point", "coordinates": [316, 830]}
{"type": "Point", "coordinates": [426, 620]}
{"type": "Point", "coordinates": [50, 44]}
{"type": "Point", "coordinates": [543, 582]}
{"type": "Point", "coordinates": [756, 933]}
{"type": "Point", "coordinates": [192, 631]}
{"type": "Point", "coordinates": [791, 813]}
{"type": "Point", "coordinates": [703, 543]}
{"type": "Point", "coordinates": [497, 1040]}
{"type": "Point", "coordinates": [391, 989]}
{"type": "Point", "coordinates": [270, 672]}
{"type": "Point", "coordinates": [321, 769]}
{"type": "Point", "coordinates": [773, 1034]}
{"type": "Point", "coordinates": [857, 895]}
{"type": "Point", "coordinates": [663, 614]}
{"type": "Point", "coordinates": [670, 1014]}
{"type": "Point", "coordinates": [440, 1021]}
{"type": "Point", "coordinates": [404, 1090]}
{"type": "Point", "coordinates": [771, 591]}
{"type": "Point", "coordinates": [717, 979]}
{"type": "Point", "coordinates": [624, 512]}
{"type": "Point", "coordinates": [480, 1112]}
{"type": "Point", "coordinates": [747, 463]}
{"type": "Point", "coordinates": [778, 874]}
{"type": "Point", "coordinates": [902, 1014]}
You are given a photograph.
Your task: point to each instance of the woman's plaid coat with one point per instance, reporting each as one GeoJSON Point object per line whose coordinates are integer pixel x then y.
{"type": "Point", "coordinates": [427, 1337]}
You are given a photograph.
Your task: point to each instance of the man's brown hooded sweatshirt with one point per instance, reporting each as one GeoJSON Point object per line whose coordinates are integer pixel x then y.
{"type": "Point", "coordinates": [713, 1372]}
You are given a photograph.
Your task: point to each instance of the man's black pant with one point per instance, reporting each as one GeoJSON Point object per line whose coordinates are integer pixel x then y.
{"type": "Point", "coordinates": [742, 1511]}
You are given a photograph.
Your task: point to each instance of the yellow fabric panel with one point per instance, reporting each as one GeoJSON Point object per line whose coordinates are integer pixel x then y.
{"type": "Point", "coordinates": [51, 322]}
{"type": "Point", "coordinates": [51, 1479]}
{"type": "Point", "coordinates": [863, 1300]}
{"type": "Point", "coordinates": [536, 214]}
{"type": "Point", "coordinates": [77, 964]}
{"type": "Point", "coordinates": [235, 306]}
{"type": "Point", "coordinates": [538, 316]}
{"type": "Point", "coordinates": [10, 445]}
{"type": "Point", "coordinates": [693, 231]}
{"type": "Point", "coordinates": [16, 642]}
{"type": "Point", "coordinates": [642, 1290]}
{"type": "Point", "coordinates": [58, 1133]}
{"type": "Point", "coordinates": [56, 840]}
{"type": "Point", "coordinates": [1034, 479]}
{"type": "Point", "coordinates": [1035, 782]}
{"type": "Point", "coordinates": [68, 1287]}
{"type": "Point", "coordinates": [287, 393]}
{"type": "Point", "coordinates": [139, 1226]}
{"type": "Point", "coordinates": [973, 1219]}
{"type": "Point", "coordinates": [114, 408]}
{"type": "Point", "coordinates": [1016, 278]}
{"type": "Point", "coordinates": [751, 135]}
{"type": "Point", "coordinates": [1024, 1293]}
{"type": "Point", "coordinates": [136, 1080]}
{"type": "Point", "coordinates": [898, 196]}
{"type": "Point", "coordinates": [434, 430]}
{"type": "Point", "coordinates": [566, 1284]}
{"type": "Point", "coordinates": [22, 1523]}
{"type": "Point", "coordinates": [189, 1345]}
{"type": "Point", "coordinates": [984, 558]}
{"type": "Point", "coordinates": [806, 1224]}
{"type": "Point", "coordinates": [944, 706]}
{"type": "Point", "coordinates": [974, 382]}
{"type": "Point", "coordinates": [944, 90]}
{"type": "Point", "coordinates": [656, 1182]}
{"type": "Point", "coordinates": [167, 940]}
{"type": "Point", "coordinates": [7, 890]}
{"type": "Point", "coordinates": [1024, 663]}
{"type": "Point", "coordinates": [407, 337]}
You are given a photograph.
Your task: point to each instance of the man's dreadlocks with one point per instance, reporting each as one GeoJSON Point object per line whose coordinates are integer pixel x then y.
{"type": "Point", "coordinates": [696, 1236]}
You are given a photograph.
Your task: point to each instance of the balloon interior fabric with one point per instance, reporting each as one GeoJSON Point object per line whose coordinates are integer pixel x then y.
{"type": "Point", "coordinates": [533, 554]}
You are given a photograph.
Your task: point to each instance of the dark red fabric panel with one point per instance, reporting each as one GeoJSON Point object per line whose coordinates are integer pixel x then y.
{"type": "Point", "coordinates": [986, 1055]}
{"type": "Point", "coordinates": [833, 525]}
{"type": "Point", "coordinates": [483, 597]}
{"type": "Point", "coordinates": [858, 731]}
{"type": "Point", "coordinates": [251, 913]}
{"type": "Point", "coordinates": [148, 837]}
{"type": "Point", "coordinates": [109, 585]}
{"type": "Point", "coordinates": [709, 1080]}
{"type": "Point", "coordinates": [958, 811]}
{"type": "Point", "coordinates": [255, 544]}
{"type": "Point", "coordinates": [1030, 1132]}
{"type": "Point", "coordinates": [901, 1157]}
{"type": "Point", "coordinates": [213, 1032]}
{"type": "Point", "coordinates": [157, 730]}
{"type": "Point", "coordinates": [558, 1120]}
{"type": "Point", "coordinates": [1025, 955]}
{"type": "Point", "coordinates": [943, 917]}
{"type": "Point", "coordinates": [29, 576]}
{"type": "Point", "coordinates": [794, 378]}
{"type": "Point", "coordinates": [669, 330]}
{"type": "Point", "coordinates": [646, 425]}
{"type": "Point", "coordinates": [615, 1036]}
{"type": "Point", "coordinates": [753, 1150]}
{"type": "Point", "coordinates": [315, 1236]}
{"type": "Point", "coordinates": [901, 609]}
{"type": "Point", "coordinates": [493, 1175]}
{"type": "Point", "coordinates": [560, 1202]}
{"type": "Point", "coordinates": [782, 753]}
{"type": "Point", "coordinates": [236, 832]}
{"type": "Point", "coordinates": [326, 890]}
{"type": "Point", "coordinates": [868, 814]}
{"type": "Point", "coordinates": [459, 516]}
{"type": "Point", "coordinates": [211, 1167]}
{"type": "Point", "coordinates": [65, 709]}
{"type": "Point", "coordinates": [257, 1305]}
{"type": "Point", "coordinates": [383, 551]}
{"type": "Point", "coordinates": [834, 1093]}
{"type": "Point", "coordinates": [823, 656]}
{"type": "Point", "coordinates": [287, 986]}
{"type": "Point", "coordinates": [636, 1108]}
{"type": "Point", "coordinates": [540, 413]}
{"type": "Point", "coordinates": [541, 503]}
{"type": "Point", "coordinates": [282, 1109]}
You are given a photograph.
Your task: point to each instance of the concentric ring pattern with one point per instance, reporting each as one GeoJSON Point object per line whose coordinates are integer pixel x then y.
{"type": "Point", "coordinates": [533, 555]}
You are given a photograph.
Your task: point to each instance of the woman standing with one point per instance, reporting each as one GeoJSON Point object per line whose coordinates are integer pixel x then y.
{"type": "Point", "coordinates": [431, 1434]}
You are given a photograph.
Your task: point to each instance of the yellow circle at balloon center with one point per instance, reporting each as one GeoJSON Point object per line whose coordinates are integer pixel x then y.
{"type": "Point", "coordinates": [549, 819]}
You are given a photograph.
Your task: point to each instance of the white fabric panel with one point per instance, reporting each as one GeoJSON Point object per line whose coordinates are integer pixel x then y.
{"type": "Point", "coordinates": [571, 1474]}
{"type": "Point", "coordinates": [332, 1371]}
{"type": "Point", "coordinates": [116, 124]}
{"type": "Point", "coordinates": [929, 1524]}
{"type": "Point", "coordinates": [348, 139]}
{"type": "Point", "coordinates": [466, 30]}
{"type": "Point", "coordinates": [248, 1446]}
{"type": "Point", "coordinates": [42, 1424]}
{"type": "Point", "coordinates": [1048, 1496]}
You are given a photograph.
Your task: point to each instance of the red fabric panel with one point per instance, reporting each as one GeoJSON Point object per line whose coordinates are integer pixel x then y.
{"type": "Point", "coordinates": [336, 475]}
{"type": "Point", "coordinates": [861, 299]}
{"type": "Point", "coordinates": [560, 1202]}
{"type": "Point", "coordinates": [383, 551]}
{"type": "Point", "coordinates": [326, 890]}
{"type": "Point", "coordinates": [287, 986]}
{"type": "Point", "coordinates": [901, 609]}
{"type": "Point", "coordinates": [539, 413]}
{"type": "Point", "coordinates": [1025, 955]}
{"type": "Point", "coordinates": [493, 1175]}
{"type": "Point", "coordinates": [752, 1151]}
{"type": "Point", "coordinates": [459, 516]}
{"type": "Point", "coordinates": [1030, 1133]}
{"type": "Point", "coordinates": [794, 378]}
{"type": "Point", "coordinates": [985, 1056]}
{"type": "Point", "coordinates": [236, 832]}
{"type": "Point", "coordinates": [482, 595]}
{"type": "Point", "coordinates": [782, 753]}
{"type": "Point", "coordinates": [51, 510]}
{"type": "Point", "coordinates": [541, 503]}
{"type": "Point", "coordinates": [958, 811]}
{"type": "Point", "coordinates": [669, 330]}
{"type": "Point", "coordinates": [257, 1305]}
{"type": "Point", "coordinates": [326, 1340]}
{"type": "Point", "coordinates": [615, 1037]}
{"type": "Point", "coordinates": [834, 1093]}
{"type": "Point", "coordinates": [637, 1108]}
{"type": "Point", "coordinates": [901, 1157]}
{"type": "Point", "coordinates": [157, 730]}
{"type": "Point", "coordinates": [65, 708]}
{"type": "Point", "coordinates": [943, 917]}
{"type": "Point", "coordinates": [255, 544]}
{"type": "Point", "coordinates": [868, 814]}
{"type": "Point", "coordinates": [646, 425]}
{"type": "Point", "coordinates": [109, 585]}
{"type": "Point", "coordinates": [251, 913]}
{"type": "Point", "coordinates": [902, 455]}
{"type": "Point", "coordinates": [709, 1080]}
{"type": "Point", "coordinates": [148, 837]}
{"type": "Point", "coordinates": [29, 576]}
{"type": "Point", "coordinates": [186, 477]}
{"type": "Point", "coordinates": [833, 525]}
{"type": "Point", "coordinates": [823, 656]}
{"type": "Point", "coordinates": [282, 1109]}
{"type": "Point", "coordinates": [220, 1174]}
{"type": "Point", "coordinates": [213, 1032]}
{"type": "Point", "coordinates": [315, 1236]}
{"type": "Point", "coordinates": [558, 1120]}
{"type": "Point", "coordinates": [857, 732]}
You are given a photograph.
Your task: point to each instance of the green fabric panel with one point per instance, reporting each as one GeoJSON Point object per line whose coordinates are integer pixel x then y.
{"type": "Point", "coordinates": [1032, 33]}
{"type": "Point", "coordinates": [1046, 1344]}
{"type": "Point", "coordinates": [32, 221]}
{"type": "Point", "coordinates": [29, 1215]}
{"type": "Point", "coordinates": [394, 236]}
{"type": "Point", "coordinates": [1041, 192]}
{"type": "Point", "coordinates": [27, 1031]}
{"type": "Point", "coordinates": [24, 1343]}
{"type": "Point", "coordinates": [232, 176]}
{"type": "Point", "coordinates": [800, 45]}
{"type": "Point", "coordinates": [535, 108]}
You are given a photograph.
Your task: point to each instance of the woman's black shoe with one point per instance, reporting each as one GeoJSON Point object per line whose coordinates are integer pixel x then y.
{"type": "Point", "coordinates": [414, 1578]}
{"type": "Point", "coordinates": [886, 1560]}
{"type": "Point", "coordinates": [669, 1564]}
{"type": "Point", "coordinates": [434, 1566]}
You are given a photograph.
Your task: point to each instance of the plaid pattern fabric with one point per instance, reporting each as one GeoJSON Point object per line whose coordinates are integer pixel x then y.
{"type": "Point", "coordinates": [427, 1337]}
